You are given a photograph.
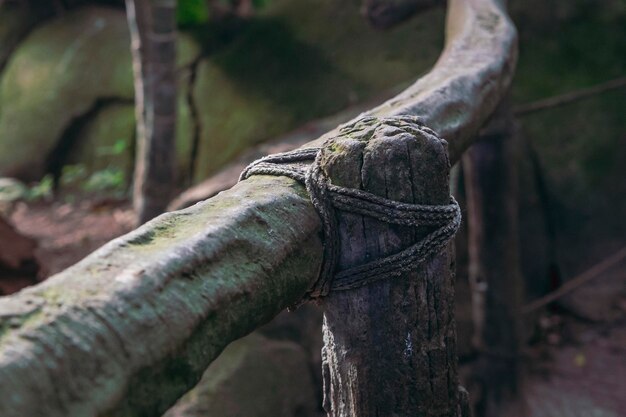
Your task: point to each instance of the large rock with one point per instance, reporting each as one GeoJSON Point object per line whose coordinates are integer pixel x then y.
{"type": "Point", "coordinates": [58, 74]}
{"type": "Point", "coordinates": [253, 377]}
{"type": "Point", "coordinates": [105, 140]}
{"type": "Point", "coordinates": [15, 21]}
{"type": "Point", "coordinates": [294, 63]}
{"type": "Point", "coordinates": [186, 123]}
{"type": "Point", "coordinates": [60, 71]}
{"type": "Point", "coordinates": [228, 175]}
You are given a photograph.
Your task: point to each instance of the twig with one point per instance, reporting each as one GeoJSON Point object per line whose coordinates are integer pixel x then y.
{"type": "Point", "coordinates": [576, 282]}
{"type": "Point", "coordinates": [570, 97]}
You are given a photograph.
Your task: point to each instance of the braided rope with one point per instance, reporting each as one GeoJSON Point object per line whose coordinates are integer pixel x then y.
{"type": "Point", "coordinates": [305, 166]}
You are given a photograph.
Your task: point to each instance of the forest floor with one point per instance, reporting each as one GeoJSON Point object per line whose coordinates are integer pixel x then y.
{"type": "Point", "coordinates": [575, 366]}
{"type": "Point", "coordinates": [578, 369]}
{"type": "Point", "coordinates": [66, 232]}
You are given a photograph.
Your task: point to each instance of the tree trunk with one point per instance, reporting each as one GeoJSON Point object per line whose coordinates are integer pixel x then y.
{"type": "Point", "coordinates": [490, 168]}
{"type": "Point", "coordinates": [153, 34]}
{"type": "Point", "coordinates": [389, 346]}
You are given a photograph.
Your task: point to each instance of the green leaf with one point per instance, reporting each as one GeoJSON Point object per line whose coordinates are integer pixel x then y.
{"type": "Point", "coordinates": [109, 179]}
{"type": "Point", "coordinates": [73, 174]}
{"type": "Point", "coordinates": [192, 12]}
{"type": "Point", "coordinates": [258, 4]}
{"type": "Point", "coordinates": [41, 189]}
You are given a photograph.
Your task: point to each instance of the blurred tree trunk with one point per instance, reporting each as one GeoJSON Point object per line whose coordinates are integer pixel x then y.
{"type": "Point", "coordinates": [153, 43]}
{"type": "Point", "coordinates": [490, 170]}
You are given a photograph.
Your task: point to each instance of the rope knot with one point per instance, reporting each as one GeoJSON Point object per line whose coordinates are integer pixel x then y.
{"type": "Point", "coordinates": [306, 165]}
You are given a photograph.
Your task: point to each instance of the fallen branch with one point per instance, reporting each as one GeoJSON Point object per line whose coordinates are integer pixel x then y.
{"type": "Point", "coordinates": [590, 274]}
{"type": "Point", "coordinates": [570, 97]}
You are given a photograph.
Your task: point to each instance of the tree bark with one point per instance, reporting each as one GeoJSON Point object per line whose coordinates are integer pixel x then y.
{"type": "Point", "coordinates": [491, 181]}
{"type": "Point", "coordinates": [133, 326]}
{"type": "Point", "coordinates": [389, 346]}
{"type": "Point", "coordinates": [153, 43]}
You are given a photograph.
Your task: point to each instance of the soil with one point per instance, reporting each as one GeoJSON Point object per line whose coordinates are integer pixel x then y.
{"type": "Point", "coordinates": [582, 375]}
{"type": "Point", "coordinates": [66, 232]}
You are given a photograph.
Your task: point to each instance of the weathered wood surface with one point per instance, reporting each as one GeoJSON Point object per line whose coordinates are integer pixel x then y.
{"type": "Point", "coordinates": [491, 182]}
{"type": "Point", "coordinates": [132, 327]}
{"type": "Point", "coordinates": [129, 329]}
{"type": "Point", "coordinates": [390, 346]}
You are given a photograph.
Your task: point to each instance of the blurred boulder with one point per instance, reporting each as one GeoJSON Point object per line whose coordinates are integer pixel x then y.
{"type": "Point", "coordinates": [288, 65]}
{"type": "Point", "coordinates": [228, 175]}
{"type": "Point", "coordinates": [62, 72]}
{"type": "Point", "coordinates": [16, 20]}
{"type": "Point", "coordinates": [55, 75]}
{"type": "Point", "coordinates": [253, 377]}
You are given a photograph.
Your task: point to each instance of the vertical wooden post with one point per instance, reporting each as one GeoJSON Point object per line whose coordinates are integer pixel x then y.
{"type": "Point", "coordinates": [490, 170]}
{"type": "Point", "coordinates": [389, 347]}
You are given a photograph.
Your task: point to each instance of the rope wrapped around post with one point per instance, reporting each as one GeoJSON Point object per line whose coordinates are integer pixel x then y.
{"type": "Point", "coordinates": [305, 166]}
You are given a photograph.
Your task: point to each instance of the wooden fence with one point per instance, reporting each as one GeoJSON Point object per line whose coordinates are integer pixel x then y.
{"type": "Point", "coordinates": [129, 329]}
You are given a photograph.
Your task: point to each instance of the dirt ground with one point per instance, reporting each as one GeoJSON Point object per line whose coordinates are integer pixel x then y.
{"type": "Point", "coordinates": [578, 367]}
{"type": "Point", "coordinates": [66, 232]}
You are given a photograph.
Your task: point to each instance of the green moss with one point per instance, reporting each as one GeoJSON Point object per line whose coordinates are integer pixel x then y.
{"type": "Point", "coordinates": [9, 323]}
{"type": "Point", "coordinates": [15, 22]}
{"type": "Point", "coordinates": [58, 75]}
{"type": "Point", "coordinates": [54, 76]}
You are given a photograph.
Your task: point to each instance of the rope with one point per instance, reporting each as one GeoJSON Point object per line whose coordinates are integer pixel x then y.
{"type": "Point", "coordinates": [305, 166]}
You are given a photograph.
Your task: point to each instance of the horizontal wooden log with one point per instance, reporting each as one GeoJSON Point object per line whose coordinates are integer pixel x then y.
{"type": "Point", "coordinates": [130, 328]}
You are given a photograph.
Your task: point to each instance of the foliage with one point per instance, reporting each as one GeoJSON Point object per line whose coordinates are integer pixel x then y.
{"type": "Point", "coordinates": [110, 179]}
{"type": "Point", "coordinates": [118, 148]}
{"type": "Point", "coordinates": [259, 3]}
{"type": "Point", "coordinates": [192, 12]}
{"type": "Point", "coordinates": [42, 189]}
{"type": "Point", "coordinates": [72, 174]}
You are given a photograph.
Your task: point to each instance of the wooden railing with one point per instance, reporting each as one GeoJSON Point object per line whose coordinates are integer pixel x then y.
{"type": "Point", "coordinates": [129, 329]}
